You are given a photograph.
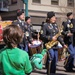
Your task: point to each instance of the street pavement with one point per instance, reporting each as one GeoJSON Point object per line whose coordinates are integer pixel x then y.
{"type": "Point", "coordinates": [60, 70]}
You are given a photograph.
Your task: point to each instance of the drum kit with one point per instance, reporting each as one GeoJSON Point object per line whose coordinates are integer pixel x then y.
{"type": "Point", "coordinates": [36, 46]}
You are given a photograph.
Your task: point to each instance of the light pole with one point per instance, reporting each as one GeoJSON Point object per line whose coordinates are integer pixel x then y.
{"type": "Point", "coordinates": [26, 7]}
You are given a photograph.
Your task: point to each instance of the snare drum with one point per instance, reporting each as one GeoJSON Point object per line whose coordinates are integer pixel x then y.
{"type": "Point", "coordinates": [35, 48]}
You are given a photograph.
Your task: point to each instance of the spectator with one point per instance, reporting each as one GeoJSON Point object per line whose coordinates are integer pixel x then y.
{"type": "Point", "coordinates": [14, 61]}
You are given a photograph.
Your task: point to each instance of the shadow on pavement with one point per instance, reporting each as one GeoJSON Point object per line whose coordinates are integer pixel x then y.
{"type": "Point", "coordinates": [58, 69]}
{"type": "Point", "coordinates": [39, 72]}
{"type": "Point", "coordinates": [44, 73]}
{"type": "Point", "coordinates": [58, 74]}
{"type": "Point", "coordinates": [60, 65]}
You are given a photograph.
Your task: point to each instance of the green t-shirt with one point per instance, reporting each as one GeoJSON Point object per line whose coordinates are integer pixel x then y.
{"type": "Point", "coordinates": [14, 62]}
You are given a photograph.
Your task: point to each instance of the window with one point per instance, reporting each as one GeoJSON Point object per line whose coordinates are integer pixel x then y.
{"type": "Point", "coordinates": [13, 1]}
{"type": "Point", "coordinates": [70, 3]}
{"type": "Point", "coordinates": [54, 2]}
{"type": "Point", "coordinates": [4, 4]}
{"type": "Point", "coordinates": [36, 1]}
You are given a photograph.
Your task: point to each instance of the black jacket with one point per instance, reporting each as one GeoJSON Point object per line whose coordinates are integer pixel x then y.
{"type": "Point", "coordinates": [29, 32]}
{"type": "Point", "coordinates": [69, 26]}
{"type": "Point", "coordinates": [50, 30]}
{"type": "Point", "coordinates": [21, 25]}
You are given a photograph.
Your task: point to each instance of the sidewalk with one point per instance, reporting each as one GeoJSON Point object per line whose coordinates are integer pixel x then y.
{"type": "Point", "coordinates": [60, 70]}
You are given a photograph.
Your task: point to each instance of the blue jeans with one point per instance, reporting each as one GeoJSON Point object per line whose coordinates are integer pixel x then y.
{"type": "Point", "coordinates": [53, 58]}
{"type": "Point", "coordinates": [70, 61]}
{"type": "Point", "coordinates": [25, 48]}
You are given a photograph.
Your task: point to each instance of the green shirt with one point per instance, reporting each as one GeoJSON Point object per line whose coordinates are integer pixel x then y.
{"type": "Point", "coordinates": [14, 62]}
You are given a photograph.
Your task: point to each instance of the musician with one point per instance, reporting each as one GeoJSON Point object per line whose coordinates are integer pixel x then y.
{"type": "Point", "coordinates": [41, 33]}
{"type": "Point", "coordinates": [20, 22]}
{"type": "Point", "coordinates": [49, 31]}
{"type": "Point", "coordinates": [29, 31]}
{"type": "Point", "coordinates": [14, 61]}
{"type": "Point", "coordinates": [68, 32]}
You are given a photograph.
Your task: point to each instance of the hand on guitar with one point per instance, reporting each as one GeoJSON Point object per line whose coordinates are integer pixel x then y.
{"type": "Point", "coordinates": [65, 46]}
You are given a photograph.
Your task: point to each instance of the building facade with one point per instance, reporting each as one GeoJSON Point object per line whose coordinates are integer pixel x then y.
{"type": "Point", "coordinates": [38, 9]}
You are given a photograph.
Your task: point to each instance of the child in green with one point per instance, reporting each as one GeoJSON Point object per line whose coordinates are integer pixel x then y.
{"type": "Point", "coordinates": [14, 61]}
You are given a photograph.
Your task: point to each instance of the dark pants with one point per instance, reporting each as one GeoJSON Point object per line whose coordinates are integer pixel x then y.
{"type": "Point", "coordinates": [25, 48]}
{"type": "Point", "coordinates": [53, 58]}
{"type": "Point", "coordinates": [70, 59]}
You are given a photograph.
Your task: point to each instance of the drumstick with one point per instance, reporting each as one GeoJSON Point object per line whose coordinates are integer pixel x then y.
{"type": "Point", "coordinates": [38, 36]}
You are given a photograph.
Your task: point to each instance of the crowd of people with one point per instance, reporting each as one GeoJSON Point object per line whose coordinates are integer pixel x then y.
{"type": "Point", "coordinates": [14, 57]}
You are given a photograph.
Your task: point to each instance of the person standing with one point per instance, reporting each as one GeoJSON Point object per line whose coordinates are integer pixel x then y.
{"type": "Point", "coordinates": [68, 32]}
{"type": "Point", "coordinates": [20, 22]}
{"type": "Point", "coordinates": [29, 31]}
{"type": "Point", "coordinates": [14, 61]}
{"type": "Point", "coordinates": [50, 29]}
